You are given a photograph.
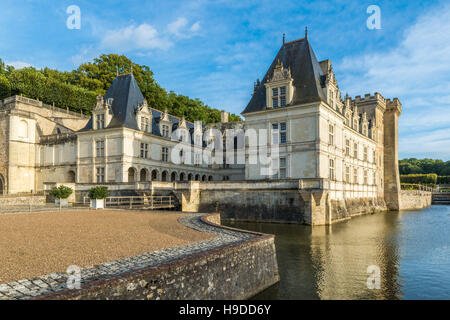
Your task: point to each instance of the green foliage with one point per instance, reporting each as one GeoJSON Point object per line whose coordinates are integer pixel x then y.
{"type": "Point", "coordinates": [5, 87]}
{"type": "Point", "coordinates": [443, 180]}
{"type": "Point", "coordinates": [78, 88]}
{"type": "Point", "coordinates": [424, 166]}
{"type": "Point", "coordinates": [424, 179]}
{"type": "Point", "coordinates": [99, 192]}
{"type": "Point", "coordinates": [61, 192]}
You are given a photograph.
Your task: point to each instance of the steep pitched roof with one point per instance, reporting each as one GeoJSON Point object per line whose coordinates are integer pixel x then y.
{"type": "Point", "coordinates": [127, 97]}
{"type": "Point", "coordinates": [306, 72]}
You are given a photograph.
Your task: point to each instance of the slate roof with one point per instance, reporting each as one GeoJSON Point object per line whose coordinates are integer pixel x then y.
{"type": "Point", "coordinates": [307, 74]}
{"type": "Point", "coordinates": [127, 97]}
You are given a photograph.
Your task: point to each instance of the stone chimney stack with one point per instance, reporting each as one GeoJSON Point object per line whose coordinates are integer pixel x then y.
{"type": "Point", "coordinates": [224, 116]}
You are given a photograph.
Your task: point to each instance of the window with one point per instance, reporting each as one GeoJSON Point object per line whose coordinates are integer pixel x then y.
{"type": "Point", "coordinates": [278, 97]}
{"type": "Point", "coordinates": [355, 175]}
{"type": "Point", "coordinates": [144, 150]}
{"type": "Point", "coordinates": [364, 130]}
{"type": "Point", "coordinates": [165, 130]}
{"type": "Point", "coordinates": [282, 96]}
{"type": "Point", "coordinates": [365, 177]}
{"type": "Point", "coordinates": [197, 159]}
{"type": "Point", "coordinates": [331, 165]}
{"type": "Point", "coordinates": [331, 134]}
{"type": "Point", "coordinates": [100, 121]}
{"type": "Point", "coordinates": [347, 174]}
{"type": "Point", "coordinates": [355, 124]}
{"type": "Point", "coordinates": [282, 168]}
{"type": "Point", "coordinates": [100, 175]}
{"type": "Point", "coordinates": [165, 154]}
{"type": "Point", "coordinates": [374, 157]}
{"type": "Point", "coordinates": [347, 147]}
{"type": "Point", "coordinates": [283, 132]}
{"type": "Point", "coordinates": [355, 151]}
{"type": "Point", "coordinates": [145, 124]}
{"type": "Point", "coordinates": [100, 148]}
{"type": "Point", "coordinates": [374, 181]}
{"type": "Point", "coordinates": [365, 154]}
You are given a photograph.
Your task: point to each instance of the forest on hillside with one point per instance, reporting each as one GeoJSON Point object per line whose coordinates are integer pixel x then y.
{"type": "Point", "coordinates": [424, 166]}
{"type": "Point", "coordinates": [78, 89]}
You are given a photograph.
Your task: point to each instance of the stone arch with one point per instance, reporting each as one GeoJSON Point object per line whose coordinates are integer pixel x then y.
{"type": "Point", "coordinates": [155, 175]}
{"type": "Point", "coordinates": [173, 176]}
{"type": "Point", "coordinates": [182, 176]}
{"type": "Point", "coordinates": [197, 177]}
{"type": "Point", "coordinates": [210, 178]}
{"type": "Point", "coordinates": [189, 177]}
{"type": "Point", "coordinates": [164, 175]}
{"type": "Point", "coordinates": [131, 174]}
{"type": "Point", "coordinates": [2, 185]}
{"type": "Point", "coordinates": [204, 178]}
{"type": "Point", "coordinates": [71, 176]}
{"type": "Point", "coordinates": [143, 175]}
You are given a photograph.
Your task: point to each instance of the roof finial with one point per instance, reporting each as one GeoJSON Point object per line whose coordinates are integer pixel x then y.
{"type": "Point", "coordinates": [284, 38]}
{"type": "Point", "coordinates": [306, 32]}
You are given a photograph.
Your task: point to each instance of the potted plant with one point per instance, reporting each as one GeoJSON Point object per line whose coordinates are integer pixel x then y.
{"type": "Point", "coordinates": [98, 195]}
{"type": "Point", "coordinates": [61, 194]}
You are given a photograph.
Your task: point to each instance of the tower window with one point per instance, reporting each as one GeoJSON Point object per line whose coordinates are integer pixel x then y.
{"type": "Point", "coordinates": [100, 121]}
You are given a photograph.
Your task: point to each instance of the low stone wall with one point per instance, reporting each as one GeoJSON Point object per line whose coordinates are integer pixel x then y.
{"type": "Point", "coordinates": [234, 265]}
{"type": "Point", "coordinates": [12, 200]}
{"type": "Point", "coordinates": [414, 199]}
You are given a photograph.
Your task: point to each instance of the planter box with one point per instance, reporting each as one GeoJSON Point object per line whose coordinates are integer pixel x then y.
{"type": "Point", "coordinates": [97, 204]}
{"type": "Point", "coordinates": [62, 202]}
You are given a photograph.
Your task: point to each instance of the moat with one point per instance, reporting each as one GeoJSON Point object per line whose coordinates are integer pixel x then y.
{"type": "Point", "coordinates": [411, 248]}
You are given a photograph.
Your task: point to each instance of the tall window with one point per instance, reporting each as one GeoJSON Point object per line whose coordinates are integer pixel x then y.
{"type": "Point", "coordinates": [197, 159]}
{"type": "Point", "coordinates": [347, 147]}
{"type": "Point", "coordinates": [278, 97]}
{"type": "Point", "coordinates": [355, 151]}
{"type": "Point", "coordinates": [165, 154]}
{"type": "Point", "coordinates": [355, 175]}
{"type": "Point", "coordinates": [100, 121]}
{"type": "Point", "coordinates": [100, 148]}
{"type": "Point", "coordinates": [331, 134]}
{"type": "Point", "coordinates": [279, 130]}
{"type": "Point", "coordinates": [165, 130]}
{"type": "Point", "coordinates": [145, 124]}
{"type": "Point", "coordinates": [347, 174]}
{"type": "Point", "coordinates": [331, 165]}
{"type": "Point", "coordinates": [374, 157]}
{"type": "Point", "coordinates": [365, 154]}
{"type": "Point", "coordinates": [282, 168]}
{"type": "Point", "coordinates": [365, 177]}
{"type": "Point", "coordinates": [144, 150]}
{"type": "Point", "coordinates": [100, 175]}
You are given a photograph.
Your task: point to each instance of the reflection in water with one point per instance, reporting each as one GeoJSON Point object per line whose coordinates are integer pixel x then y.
{"type": "Point", "coordinates": [411, 248]}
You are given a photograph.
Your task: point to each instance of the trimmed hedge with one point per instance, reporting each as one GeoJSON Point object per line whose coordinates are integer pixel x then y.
{"type": "Point", "coordinates": [425, 179]}
{"type": "Point", "coordinates": [35, 85]}
{"type": "Point", "coordinates": [443, 180]}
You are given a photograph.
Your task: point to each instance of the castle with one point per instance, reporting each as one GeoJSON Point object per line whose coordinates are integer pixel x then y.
{"type": "Point", "coordinates": [339, 154]}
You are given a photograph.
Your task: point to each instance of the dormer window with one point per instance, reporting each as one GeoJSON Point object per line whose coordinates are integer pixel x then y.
{"type": "Point", "coordinates": [100, 121]}
{"type": "Point", "coordinates": [165, 130]}
{"type": "Point", "coordinates": [279, 97]}
{"type": "Point", "coordinates": [145, 124]}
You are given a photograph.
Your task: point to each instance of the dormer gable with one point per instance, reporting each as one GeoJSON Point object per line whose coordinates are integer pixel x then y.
{"type": "Point", "coordinates": [279, 89]}
{"type": "Point", "coordinates": [144, 117]}
{"type": "Point", "coordinates": [102, 114]}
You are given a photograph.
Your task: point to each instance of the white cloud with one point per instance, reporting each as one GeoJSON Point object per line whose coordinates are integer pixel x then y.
{"type": "Point", "coordinates": [18, 64]}
{"type": "Point", "coordinates": [180, 28]}
{"type": "Point", "coordinates": [141, 37]}
{"type": "Point", "coordinates": [417, 71]}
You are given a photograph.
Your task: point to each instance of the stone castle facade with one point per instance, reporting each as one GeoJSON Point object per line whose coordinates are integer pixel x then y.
{"type": "Point", "coordinates": [341, 150]}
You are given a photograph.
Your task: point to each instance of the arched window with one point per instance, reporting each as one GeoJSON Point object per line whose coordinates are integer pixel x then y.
{"type": "Point", "coordinates": [154, 175]}
{"type": "Point", "coordinates": [71, 176]}
{"type": "Point", "coordinates": [182, 176]}
{"type": "Point", "coordinates": [173, 176]}
{"type": "Point", "coordinates": [143, 175]}
{"type": "Point", "coordinates": [2, 185]}
{"type": "Point", "coordinates": [203, 178]}
{"type": "Point", "coordinates": [197, 177]}
{"type": "Point", "coordinates": [131, 174]}
{"type": "Point", "coordinates": [210, 178]}
{"type": "Point", "coordinates": [189, 176]}
{"type": "Point", "coordinates": [164, 176]}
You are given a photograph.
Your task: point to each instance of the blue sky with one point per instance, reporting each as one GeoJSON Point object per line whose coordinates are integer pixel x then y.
{"type": "Point", "coordinates": [215, 50]}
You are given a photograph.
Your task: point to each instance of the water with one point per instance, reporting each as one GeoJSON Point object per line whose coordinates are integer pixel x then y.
{"type": "Point", "coordinates": [411, 248]}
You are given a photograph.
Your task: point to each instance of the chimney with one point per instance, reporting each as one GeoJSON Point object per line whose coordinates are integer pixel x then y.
{"type": "Point", "coordinates": [224, 116]}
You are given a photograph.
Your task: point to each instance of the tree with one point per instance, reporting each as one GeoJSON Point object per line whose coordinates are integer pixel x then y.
{"type": "Point", "coordinates": [99, 192]}
{"type": "Point", "coordinates": [5, 87]}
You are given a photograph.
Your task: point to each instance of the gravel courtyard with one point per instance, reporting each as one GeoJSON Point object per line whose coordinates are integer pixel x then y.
{"type": "Point", "coordinates": [33, 244]}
